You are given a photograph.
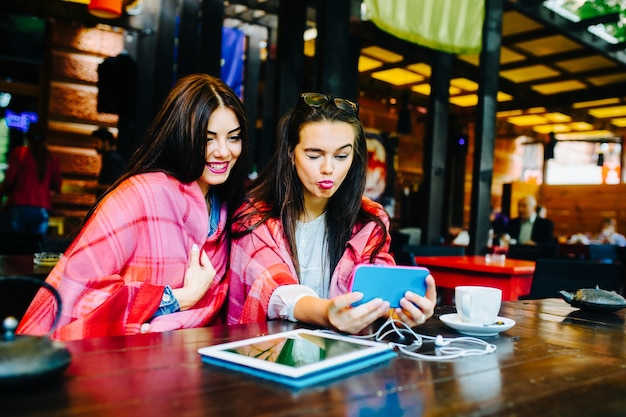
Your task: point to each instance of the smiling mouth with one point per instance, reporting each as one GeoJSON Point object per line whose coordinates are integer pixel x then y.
{"type": "Point", "coordinates": [217, 168]}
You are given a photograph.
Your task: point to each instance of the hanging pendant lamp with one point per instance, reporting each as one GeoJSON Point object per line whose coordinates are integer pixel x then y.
{"type": "Point", "coordinates": [106, 9]}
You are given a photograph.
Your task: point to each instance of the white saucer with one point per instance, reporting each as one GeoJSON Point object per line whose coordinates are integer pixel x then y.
{"type": "Point", "coordinates": [453, 320]}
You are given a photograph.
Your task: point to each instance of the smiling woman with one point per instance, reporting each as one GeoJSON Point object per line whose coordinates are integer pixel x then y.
{"type": "Point", "coordinates": [148, 257]}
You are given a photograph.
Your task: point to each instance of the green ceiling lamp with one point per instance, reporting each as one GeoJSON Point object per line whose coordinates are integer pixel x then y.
{"type": "Point", "coordinates": [453, 26]}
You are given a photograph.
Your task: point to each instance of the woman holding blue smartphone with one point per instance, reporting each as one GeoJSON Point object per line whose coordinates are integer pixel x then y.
{"type": "Point", "coordinates": [306, 225]}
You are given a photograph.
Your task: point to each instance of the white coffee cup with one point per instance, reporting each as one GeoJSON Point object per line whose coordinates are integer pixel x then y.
{"type": "Point", "coordinates": [478, 305]}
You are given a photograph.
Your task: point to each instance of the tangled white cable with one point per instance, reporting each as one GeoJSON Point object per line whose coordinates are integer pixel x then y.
{"type": "Point", "coordinates": [444, 349]}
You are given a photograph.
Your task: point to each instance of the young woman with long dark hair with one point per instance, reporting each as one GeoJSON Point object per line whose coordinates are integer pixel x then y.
{"type": "Point", "coordinates": [153, 252]}
{"type": "Point", "coordinates": [306, 225]}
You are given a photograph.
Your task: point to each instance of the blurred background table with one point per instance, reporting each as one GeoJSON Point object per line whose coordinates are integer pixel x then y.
{"type": "Point", "coordinates": [15, 295]}
{"type": "Point", "coordinates": [513, 276]}
{"type": "Point", "coordinates": [12, 265]}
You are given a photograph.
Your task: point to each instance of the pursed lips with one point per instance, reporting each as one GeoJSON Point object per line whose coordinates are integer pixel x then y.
{"type": "Point", "coordinates": [326, 184]}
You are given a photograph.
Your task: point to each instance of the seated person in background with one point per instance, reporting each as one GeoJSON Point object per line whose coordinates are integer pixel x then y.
{"type": "Point", "coordinates": [528, 228]}
{"type": "Point", "coordinates": [307, 224]}
{"type": "Point", "coordinates": [499, 221]}
{"type": "Point", "coordinates": [113, 163]}
{"type": "Point", "coordinates": [579, 239]}
{"type": "Point", "coordinates": [608, 235]}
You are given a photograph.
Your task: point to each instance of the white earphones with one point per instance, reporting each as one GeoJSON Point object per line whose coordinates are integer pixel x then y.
{"type": "Point", "coordinates": [439, 341]}
{"type": "Point", "coordinates": [443, 346]}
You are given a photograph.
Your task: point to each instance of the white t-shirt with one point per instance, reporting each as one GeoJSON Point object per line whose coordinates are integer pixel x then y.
{"type": "Point", "coordinates": [314, 270]}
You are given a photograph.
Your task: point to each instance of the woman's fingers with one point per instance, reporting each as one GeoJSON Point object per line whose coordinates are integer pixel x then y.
{"type": "Point", "coordinates": [198, 278]}
{"type": "Point", "coordinates": [350, 319]}
{"type": "Point", "coordinates": [416, 309]}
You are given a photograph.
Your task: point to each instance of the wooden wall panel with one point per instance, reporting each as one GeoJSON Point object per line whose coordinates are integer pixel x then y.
{"type": "Point", "coordinates": [581, 208]}
{"type": "Point", "coordinates": [78, 162]}
{"type": "Point", "coordinates": [575, 208]}
{"type": "Point", "coordinates": [75, 103]}
{"type": "Point", "coordinates": [91, 41]}
{"type": "Point", "coordinates": [73, 116]}
{"type": "Point", "coordinates": [75, 66]}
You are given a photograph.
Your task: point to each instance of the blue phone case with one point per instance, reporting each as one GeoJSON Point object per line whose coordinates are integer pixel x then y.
{"type": "Point", "coordinates": [388, 282]}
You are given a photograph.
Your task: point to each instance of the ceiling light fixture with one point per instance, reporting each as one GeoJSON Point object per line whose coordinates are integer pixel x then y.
{"type": "Point", "coordinates": [106, 9]}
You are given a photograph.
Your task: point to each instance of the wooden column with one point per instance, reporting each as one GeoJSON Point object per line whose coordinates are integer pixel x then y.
{"type": "Point", "coordinates": [255, 34]}
{"type": "Point", "coordinates": [270, 116]}
{"type": "Point", "coordinates": [289, 55]}
{"type": "Point", "coordinates": [333, 71]}
{"type": "Point", "coordinates": [284, 72]}
{"type": "Point", "coordinates": [211, 37]}
{"type": "Point", "coordinates": [163, 59]}
{"type": "Point", "coordinates": [435, 148]}
{"type": "Point", "coordinates": [200, 37]}
{"type": "Point", "coordinates": [189, 29]}
{"type": "Point", "coordinates": [482, 171]}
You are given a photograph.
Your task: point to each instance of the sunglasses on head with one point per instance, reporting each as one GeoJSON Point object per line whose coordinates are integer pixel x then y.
{"type": "Point", "coordinates": [318, 100]}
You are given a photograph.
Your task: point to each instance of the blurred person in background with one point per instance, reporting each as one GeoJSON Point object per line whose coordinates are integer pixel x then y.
{"type": "Point", "coordinates": [529, 228]}
{"type": "Point", "coordinates": [113, 163]}
{"type": "Point", "coordinates": [608, 234]}
{"type": "Point", "coordinates": [33, 174]}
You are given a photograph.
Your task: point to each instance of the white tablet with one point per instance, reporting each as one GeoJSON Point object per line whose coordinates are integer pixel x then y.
{"type": "Point", "coordinates": [298, 357]}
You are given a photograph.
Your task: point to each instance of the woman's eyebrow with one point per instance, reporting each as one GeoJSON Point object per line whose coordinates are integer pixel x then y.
{"type": "Point", "coordinates": [312, 149]}
{"type": "Point", "coordinates": [210, 132]}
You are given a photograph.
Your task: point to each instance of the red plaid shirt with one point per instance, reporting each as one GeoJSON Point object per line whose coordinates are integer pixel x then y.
{"type": "Point", "coordinates": [261, 261]}
{"type": "Point", "coordinates": [111, 278]}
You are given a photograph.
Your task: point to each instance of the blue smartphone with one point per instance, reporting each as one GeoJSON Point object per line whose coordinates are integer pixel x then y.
{"type": "Point", "coordinates": [388, 282]}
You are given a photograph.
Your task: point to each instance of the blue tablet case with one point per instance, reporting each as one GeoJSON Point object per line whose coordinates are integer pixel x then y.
{"type": "Point", "coordinates": [298, 358]}
{"type": "Point", "coordinates": [310, 379]}
{"type": "Point", "coordinates": [388, 282]}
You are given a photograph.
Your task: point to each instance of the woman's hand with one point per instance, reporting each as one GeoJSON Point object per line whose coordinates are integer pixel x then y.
{"type": "Point", "coordinates": [345, 318]}
{"type": "Point", "coordinates": [198, 278]}
{"type": "Point", "coordinates": [338, 313]}
{"type": "Point", "coordinates": [416, 309]}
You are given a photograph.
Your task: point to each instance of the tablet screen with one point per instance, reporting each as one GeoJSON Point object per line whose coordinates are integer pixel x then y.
{"type": "Point", "coordinates": [298, 350]}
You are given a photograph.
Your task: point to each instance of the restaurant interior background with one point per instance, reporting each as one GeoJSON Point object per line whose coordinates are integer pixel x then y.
{"type": "Point", "coordinates": [558, 123]}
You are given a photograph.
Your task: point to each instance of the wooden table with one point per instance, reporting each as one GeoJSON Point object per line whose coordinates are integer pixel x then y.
{"type": "Point", "coordinates": [556, 361]}
{"type": "Point", "coordinates": [16, 295]}
{"type": "Point", "coordinates": [12, 265]}
{"type": "Point", "coordinates": [513, 277]}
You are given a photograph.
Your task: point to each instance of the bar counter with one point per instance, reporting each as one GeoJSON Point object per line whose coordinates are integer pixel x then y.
{"type": "Point", "coordinates": [556, 361]}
